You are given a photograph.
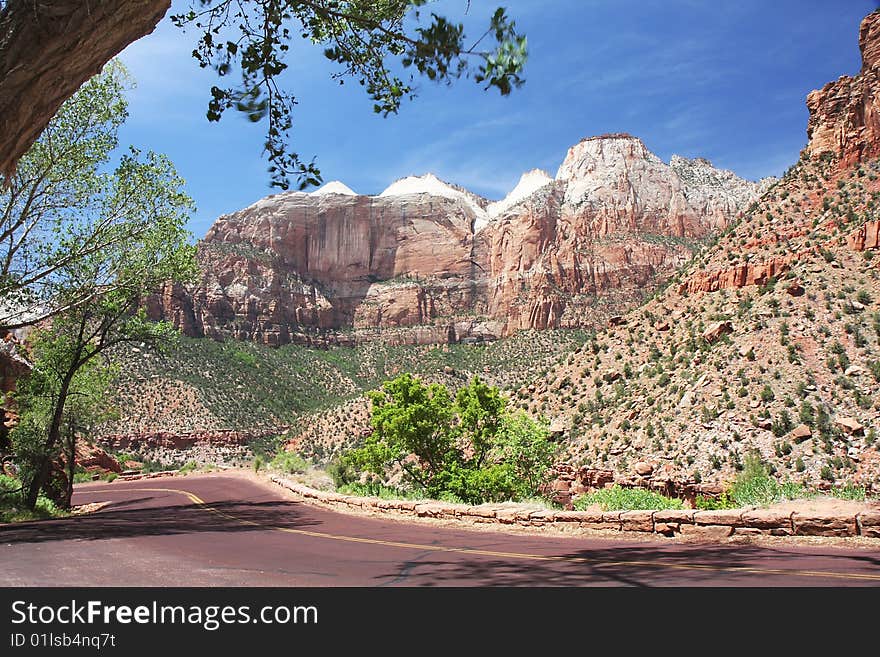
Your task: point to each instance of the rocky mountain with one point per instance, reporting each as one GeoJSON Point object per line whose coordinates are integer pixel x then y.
{"type": "Point", "coordinates": [429, 262]}
{"type": "Point", "coordinates": [845, 115]}
{"type": "Point", "coordinates": [769, 341]}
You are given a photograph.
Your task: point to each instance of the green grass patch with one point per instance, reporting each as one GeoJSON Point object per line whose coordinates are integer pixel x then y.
{"type": "Point", "coordinates": [618, 498]}
{"type": "Point", "coordinates": [378, 490]}
{"type": "Point", "coordinates": [12, 506]}
{"type": "Point", "coordinates": [723, 501]}
{"type": "Point", "coordinates": [850, 492]}
{"type": "Point", "coordinates": [187, 467]}
{"type": "Point", "coordinates": [755, 486]}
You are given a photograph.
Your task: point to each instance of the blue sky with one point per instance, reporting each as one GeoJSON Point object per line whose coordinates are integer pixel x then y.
{"type": "Point", "coordinates": [721, 80]}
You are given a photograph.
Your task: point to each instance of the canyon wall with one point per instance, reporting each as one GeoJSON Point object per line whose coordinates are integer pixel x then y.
{"type": "Point", "coordinates": [428, 262]}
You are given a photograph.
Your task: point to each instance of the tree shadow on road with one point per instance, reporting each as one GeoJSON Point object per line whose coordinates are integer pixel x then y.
{"type": "Point", "coordinates": [645, 566]}
{"type": "Point", "coordinates": [117, 521]}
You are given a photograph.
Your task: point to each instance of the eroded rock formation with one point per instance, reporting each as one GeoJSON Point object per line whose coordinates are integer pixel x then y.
{"type": "Point", "coordinates": [866, 236]}
{"type": "Point", "coordinates": [845, 114]}
{"type": "Point", "coordinates": [740, 275]}
{"type": "Point", "coordinates": [426, 261]}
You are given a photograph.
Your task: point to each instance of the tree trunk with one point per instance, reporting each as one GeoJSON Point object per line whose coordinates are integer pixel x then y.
{"type": "Point", "coordinates": [49, 49]}
{"type": "Point", "coordinates": [42, 472]}
{"type": "Point", "coordinates": [71, 463]}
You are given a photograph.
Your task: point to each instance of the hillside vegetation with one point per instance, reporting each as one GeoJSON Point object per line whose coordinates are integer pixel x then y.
{"type": "Point", "coordinates": [769, 342]}
{"type": "Point", "coordinates": [203, 385]}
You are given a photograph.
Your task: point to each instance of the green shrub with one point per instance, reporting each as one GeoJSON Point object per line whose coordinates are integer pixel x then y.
{"type": "Point", "coordinates": [244, 358]}
{"type": "Point", "coordinates": [618, 498]}
{"type": "Point", "coordinates": [807, 414]}
{"type": "Point", "coordinates": [258, 463]}
{"type": "Point", "coordinates": [755, 486]}
{"type": "Point", "coordinates": [289, 463]}
{"type": "Point", "coordinates": [13, 507]}
{"type": "Point", "coordinates": [187, 467]}
{"type": "Point", "coordinates": [850, 492]}
{"type": "Point", "coordinates": [8, 484]}
{"type": "Point", "coordinates": [342, 471]}
{"type": "Point", "coordinates": [705, 503]}
{"type": "Point", "coordinates": [468, 445]}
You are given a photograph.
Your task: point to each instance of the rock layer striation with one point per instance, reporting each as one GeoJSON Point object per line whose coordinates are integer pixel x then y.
{"type": "Point", "coordinates": [428, 262]}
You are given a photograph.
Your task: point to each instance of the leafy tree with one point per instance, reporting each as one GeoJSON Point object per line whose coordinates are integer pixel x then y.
{"type": "Point", "coordinates": [372, 41]}
{"type": "Point", "coordinates": [37, 396]}
{"type": "Point", "coordinates": [467, 447]}
{"type": "Point", "coordinates": [480, 411]}
{"type": "Point", "coordinates": [100, 242]}
{"type": "Point", "coordinates": [67, 207]}
{"type": "Point", "coordinates": [87, 405]}
{"type": "Point", "coordinates": [92, 329]}
{"type": "Point", "coordinates": [526, 446]}
{"type": "Point", "coordinates": [409, 417]}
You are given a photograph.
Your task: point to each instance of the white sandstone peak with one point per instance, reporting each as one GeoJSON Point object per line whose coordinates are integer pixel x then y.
{"type": "Point", "coordinates": [529, 183]}
{"type": "Point", "coordinates": [431, 184]}
{"type": "Point", "coordinates": [426, 184]}
{"type": "Point", "coordinates": [273, 201]}
{"type": "Point", "coordinates": [334, 187]}
{"type": "Point", "coordinates": [604, 152]}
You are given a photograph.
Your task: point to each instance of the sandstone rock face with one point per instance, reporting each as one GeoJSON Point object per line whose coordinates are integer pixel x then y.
{"type": "Point", "coordinates": [93, 458]}
{"type": "Point", "coordinates": [845, 115]}
{"type": "Point", "coordinates": [427, 262]}
{"type": "Point", "coordinates": [849, 425]}
{"type": "Point", "coordinates": [716, 330]}
{"type": "Point", "coordinates": [844, 125]}
{"type": "Point", "coordinates": [740, 275]}
{"type": "Point", "coordinates": [643, 469]}
{"type": "Point", "coordinates": [13, 364]}
{"type": "Point", "coordinates": [866, 236]}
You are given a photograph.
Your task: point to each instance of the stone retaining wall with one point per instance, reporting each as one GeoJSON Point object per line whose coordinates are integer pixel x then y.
{"type": "Point", "coordinates": [687, 522]}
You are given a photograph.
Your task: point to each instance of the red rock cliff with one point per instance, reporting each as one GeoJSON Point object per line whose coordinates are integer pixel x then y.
{"type": "Point", "coordinates": [845, 124]}
{"type": "Point", "coordinates": [428, 262]}
{"type": "Point", "coordinates": [845, 115]}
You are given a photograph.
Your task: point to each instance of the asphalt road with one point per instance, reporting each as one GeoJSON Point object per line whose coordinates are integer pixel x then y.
{"type": "Point", "coordinates": [224, 530]}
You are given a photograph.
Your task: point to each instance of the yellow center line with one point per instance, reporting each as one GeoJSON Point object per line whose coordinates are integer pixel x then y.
{"type": "Point", "coordinates": [195, 499]}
